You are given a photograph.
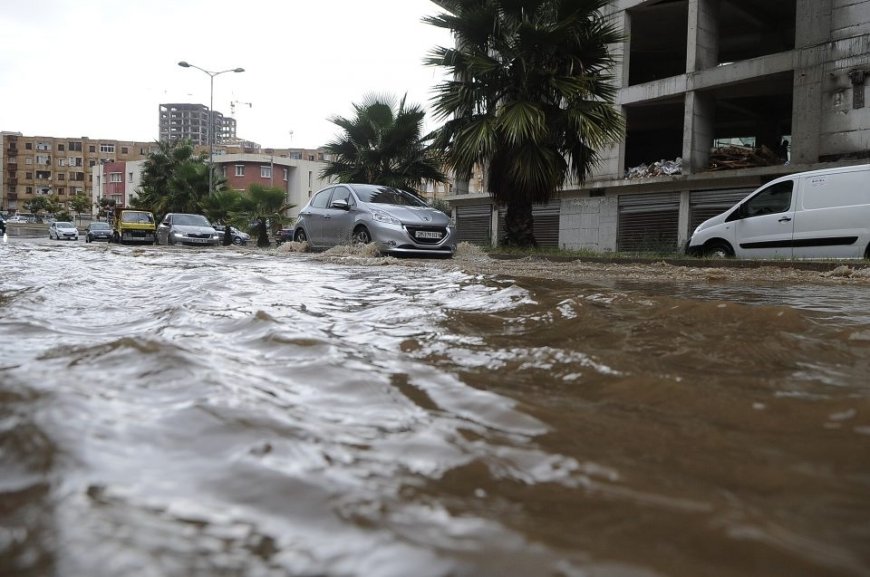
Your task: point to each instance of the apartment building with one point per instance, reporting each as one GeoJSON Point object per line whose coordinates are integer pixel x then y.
{"type": "Point", "coordinates": [43, 165]}
{"type": "Point", "coordinates": [785, 78]}
{"type": "Point", "coordinates": [300, 178]}
{"type": "Point", "coordinates": [179, 121]}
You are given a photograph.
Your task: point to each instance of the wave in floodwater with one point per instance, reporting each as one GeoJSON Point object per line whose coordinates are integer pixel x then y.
{"type": "Point", "coordinates": [184, 412]}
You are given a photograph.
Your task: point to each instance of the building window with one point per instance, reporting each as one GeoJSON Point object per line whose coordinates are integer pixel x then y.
{"type": "Point", "coordinates": [265, 172]}
{"type": "Point", "coordinates": [28, 190]}
{"type": "Point", "coordinates": [104, 147]}
{"type": "Point", "coordinates": [240, 170]}
{"type": "Point", "coordinates": [60, 147]}
{"type": "Point", "coordinates": [75, 146]}
{"type": "Point", "coordinates": [92, 148]}
{"type": "Point", "coordinates": [61, 190]}
{"type": "Point", "coordinates": [129, 177]}
{"type": "Point", "coordinates": [28, 175]}
{"type": "Point", "coordinates": [28, 160]}
{"type": "Point", "coordinates": [61, 176]}
{"type": "Point", "coordinates": [43, 160]}
{"type": "Point", "coordinates": [28, 146]}
{"type": "Point", "coordinates": [43, 146]}
{"type": "Point", "coordinates": [286, 174]}
{"type": "Point", "coordinates": [115, 177]}
{"type": "Point", "coordinates": [61, 161]}
{"type": "Point", "coordinates": [124, 150]}
{"type": "Point", "coordinates": [43, 175]}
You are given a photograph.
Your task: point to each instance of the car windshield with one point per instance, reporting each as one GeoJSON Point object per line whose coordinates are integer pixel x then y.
{"type": "Point", "coordinates": [386, 195]}
{"type": "Point", "coordinates": [137, 217]}
{"type": "Point", "coordinates": [190, 220]}
{"type": "Point", "coordinates": [63, 225]}
{"type": "Point", "coordinates": [99, 226]}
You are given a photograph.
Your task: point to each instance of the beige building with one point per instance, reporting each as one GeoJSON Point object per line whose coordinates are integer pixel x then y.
{"type": "Point", "coordinates": [43, 165]}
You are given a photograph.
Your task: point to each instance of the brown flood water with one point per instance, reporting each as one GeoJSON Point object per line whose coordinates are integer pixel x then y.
{"type": "Point", "coordinates": [234, 412]}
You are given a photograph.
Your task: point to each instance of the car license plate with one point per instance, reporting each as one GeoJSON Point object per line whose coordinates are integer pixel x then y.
{"type": "Point", "coordinates": [427, 234]}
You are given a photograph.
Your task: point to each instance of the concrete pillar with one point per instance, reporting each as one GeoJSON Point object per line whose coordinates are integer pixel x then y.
{"type": "Point", "coordinates": [698, 127]}
{"type": "Point", "coordinates": [683, 231]}
{"type": "Point", "coordinates": [703, 35]}
{"type": "Point", "coordinates": [813, 31]}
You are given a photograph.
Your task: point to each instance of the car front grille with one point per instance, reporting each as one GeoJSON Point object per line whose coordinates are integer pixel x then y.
{"type": "Point", "coordinates": [413, 231]}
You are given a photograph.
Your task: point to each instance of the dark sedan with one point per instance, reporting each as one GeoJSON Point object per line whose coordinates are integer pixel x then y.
{"type": "Point", "coordinates": [98, 231]}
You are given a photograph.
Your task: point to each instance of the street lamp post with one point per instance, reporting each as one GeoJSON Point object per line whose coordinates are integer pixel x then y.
{"type": "Point", "coordinates": [211, 75]}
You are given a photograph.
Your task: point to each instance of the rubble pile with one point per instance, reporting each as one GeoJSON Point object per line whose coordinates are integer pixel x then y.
{"type": "Point", "coordinates": [661, 168]}
{"type": "Point", "coordinates": [732, 157]}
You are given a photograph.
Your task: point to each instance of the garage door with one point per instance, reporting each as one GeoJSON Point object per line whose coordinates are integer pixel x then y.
{"type": "Point", "coordinates": [648, 222]}
{"type": "Point", "coordinates": [474, 223]}
{"type": "Point", "coordinates": [704, 204]}
{"type": "Point", "coordinates": [545, 226]}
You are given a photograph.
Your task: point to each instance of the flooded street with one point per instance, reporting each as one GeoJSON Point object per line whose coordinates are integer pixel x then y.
{"type": "Point", "coordinates": [171, 412]}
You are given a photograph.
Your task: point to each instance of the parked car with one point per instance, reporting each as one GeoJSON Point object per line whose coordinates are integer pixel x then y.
{"type": "Point", "coordinates": [60, 230]}
{"type": "Point", "coordinates": [17, 219]}
{"type": "Point", "coordinates": [817, 214]}
{"type": "Point", "coordinates": [98, 231]}
{"type": "Point", "coordinates": [239, 237]}
{"type": "Point", "coordinates": [396, 221]}
{"type": "Point", "coordinates": [284, 235]}
{"type": "Point", "coordinates": [2, 225]}
{"type": "Point", "coordinates": [181, 228]}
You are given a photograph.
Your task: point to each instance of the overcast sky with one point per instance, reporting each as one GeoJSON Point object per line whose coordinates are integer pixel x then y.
{"type": "Point", "coordinates": [100, 68]}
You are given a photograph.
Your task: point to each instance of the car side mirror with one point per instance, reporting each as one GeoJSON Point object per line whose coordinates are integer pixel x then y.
{"type": "Point", "coordinates": [340, 204]}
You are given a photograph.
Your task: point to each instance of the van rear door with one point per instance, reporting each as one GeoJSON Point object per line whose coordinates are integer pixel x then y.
{"type": "Point", "coordinates": [764, 224]}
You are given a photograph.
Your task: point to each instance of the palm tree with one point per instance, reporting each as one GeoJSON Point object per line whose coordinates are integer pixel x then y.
{"type": "Point", "coordinates": [174, 179]}
{"type": "Point", "coordinates": [223, 206]}
{"type": "Point", "coordinates": [383, 144]}
{"type": "Point", "coordinates": [529, 97]}
{"type": "Point", "coordinates": [266, 205]}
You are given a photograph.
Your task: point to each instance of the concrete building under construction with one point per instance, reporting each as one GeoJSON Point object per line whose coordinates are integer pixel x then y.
{"type": "Point", "coordinates": [719, 97]}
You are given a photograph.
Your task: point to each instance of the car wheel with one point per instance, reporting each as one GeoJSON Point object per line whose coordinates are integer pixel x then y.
{"type": "Point", "coordinates": [361, 235]}
{"type": "Point", "coordinates": [718, 249]}
{"type": "Point", "coordinates": [300, 236]}
{"type": "Point", "coordinates": [237, 240]}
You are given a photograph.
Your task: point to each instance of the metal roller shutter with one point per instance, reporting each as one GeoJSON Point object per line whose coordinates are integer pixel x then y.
{"type": "Point", "coordinates": [473, 224]}
{"type": "Point", "coordinates": [545, 226]}
{"type": "Point", "coordinates": [704, 204]}
{"type": "Point", "coordinates": [648, 222]}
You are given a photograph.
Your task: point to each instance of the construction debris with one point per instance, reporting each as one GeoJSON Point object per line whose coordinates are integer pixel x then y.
{"type": "Point", "coordinates": [661, 168]}
{"type": "Point", "coordinates": [732, 157]}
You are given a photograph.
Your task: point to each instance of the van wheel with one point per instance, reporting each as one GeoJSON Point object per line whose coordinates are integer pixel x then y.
{"type": "Point", "coordinates": [718, 249]}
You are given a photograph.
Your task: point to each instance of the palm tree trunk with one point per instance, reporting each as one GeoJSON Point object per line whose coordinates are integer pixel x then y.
{"type": "Point", "coordinates": [519, 225]}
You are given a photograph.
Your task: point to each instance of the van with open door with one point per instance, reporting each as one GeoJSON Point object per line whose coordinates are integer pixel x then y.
{"type": "Point", "coordinates": [817, 214]}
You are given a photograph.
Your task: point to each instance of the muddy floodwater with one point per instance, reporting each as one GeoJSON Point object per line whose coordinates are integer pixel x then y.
{"type": "Point", "coordinates": [176, 412]}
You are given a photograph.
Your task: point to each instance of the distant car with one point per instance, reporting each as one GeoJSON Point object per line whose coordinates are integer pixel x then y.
{"type": "Point", "coordinates": [396, 221]}
{"type": "Point", "coordinates": [239, 237]}
{"type": "Point", "coordinates": [17, 219]}
{"type": "Point", "coordinates": [61, 230]}
{"type": "Point", "coordinates": [98, 231]}
{"type": "Point", "coordinates": [181, 228]}
{"type": "Point", "coordinates": [284, 235]}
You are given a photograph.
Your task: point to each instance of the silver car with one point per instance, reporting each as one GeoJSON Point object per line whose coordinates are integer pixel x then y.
{"type": "Point", "coordinates": [180, 228]}
{"type": "Point", "coordinates": [60, 230]}
{"type": "Point", "coordinates": [396, 221]}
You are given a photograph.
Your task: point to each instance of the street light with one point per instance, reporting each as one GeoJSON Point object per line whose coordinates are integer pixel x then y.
{"type": "Point", "coordinates": [211, 75]}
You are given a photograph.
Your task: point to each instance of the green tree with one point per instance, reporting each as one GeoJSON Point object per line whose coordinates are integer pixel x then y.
{"type": "Point", "coordinates": [80, 203]}
{"type": "Point", "coordinates": [529, 96]}
{"type": "Point", "coordinates": [42, 205]}
{"type": "Point", "coordinates": [223, 207]}
{"type": "Point", "coordinates": [267, 206]}
{"type": "Point", "coordinates": [383, 144]}
{"type": "Point", "coordinates": [174, 179]}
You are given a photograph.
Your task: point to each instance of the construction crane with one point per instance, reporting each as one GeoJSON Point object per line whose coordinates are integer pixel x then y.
{"type": "Point", "coordinates": [233, 106]}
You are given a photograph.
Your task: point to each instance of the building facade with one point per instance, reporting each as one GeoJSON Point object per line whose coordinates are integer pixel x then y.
{"type": "Point", "coordinates": [179, 121]}
{"type": "Point", "coordinates": [299, 178]}
{"type": "Point", "coordinates": [42, 165]}
{"type": "Point", "coordinates": [783, 78]}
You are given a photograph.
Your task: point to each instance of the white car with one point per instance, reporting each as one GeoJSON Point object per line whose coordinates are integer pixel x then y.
{"type": "Point", "coordinates": [63, 231]}
{"type": "Point", "coordinates": [17, 219]}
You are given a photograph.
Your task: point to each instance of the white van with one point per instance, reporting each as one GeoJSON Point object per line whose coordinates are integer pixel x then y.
{"type": "Point", "coordinates": [817, 214]}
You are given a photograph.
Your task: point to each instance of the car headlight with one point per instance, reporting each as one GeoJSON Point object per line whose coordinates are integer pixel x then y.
{"type": "Point", "coordinates": [176, 233]}
{"type": "Point", "coordinates": [384, 217]}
